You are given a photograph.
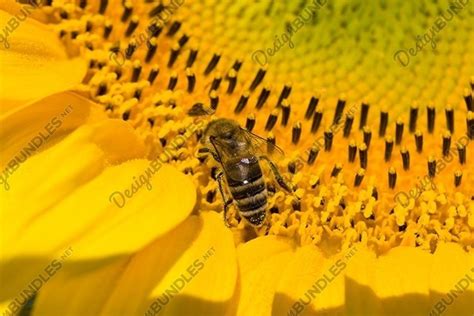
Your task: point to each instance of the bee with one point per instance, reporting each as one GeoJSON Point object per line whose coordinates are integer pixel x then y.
{"type": "Point", "coordinates": [239, 152]}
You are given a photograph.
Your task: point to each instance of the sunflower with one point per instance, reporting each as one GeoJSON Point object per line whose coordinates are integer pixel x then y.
{"type": "Point", "coordinates": [109, 208]}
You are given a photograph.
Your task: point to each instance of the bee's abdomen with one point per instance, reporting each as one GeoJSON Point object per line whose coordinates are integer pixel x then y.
{"type": "Point", "coordinates": [251, 199]}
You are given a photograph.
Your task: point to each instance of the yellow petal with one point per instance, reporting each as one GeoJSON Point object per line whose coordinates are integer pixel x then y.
{"type": "Point", "coordinates": [41, 124]}
{"type": "Point", "coordinates": [14, 8]}
{"type": "Point", "coordinates": [194, 264]}
{"type": "Point", "coordinates": [452, 281]}
{"type": "Point", "coordinates": [261, 262]}
{"type": "Point", "coordinates": [33, 63]}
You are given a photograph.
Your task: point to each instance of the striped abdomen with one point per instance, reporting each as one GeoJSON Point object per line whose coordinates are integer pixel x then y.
{"type": "Point", "coordinates": [247, 186]}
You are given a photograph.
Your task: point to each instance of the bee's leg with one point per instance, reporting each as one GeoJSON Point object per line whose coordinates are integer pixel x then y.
{"type": "Point", "coordinates": [227, 202]}
{"type": "Point", "coordinates": [277, 175]}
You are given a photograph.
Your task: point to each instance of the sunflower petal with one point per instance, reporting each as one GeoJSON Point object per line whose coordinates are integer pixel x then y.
{"type": "Point", "coordinates": [34, 63]}
{"type": "Point", "coordinates": [191, 270]}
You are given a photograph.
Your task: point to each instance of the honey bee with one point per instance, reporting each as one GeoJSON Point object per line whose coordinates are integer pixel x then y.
{"type": "Point", "coordinates": [239, 153]}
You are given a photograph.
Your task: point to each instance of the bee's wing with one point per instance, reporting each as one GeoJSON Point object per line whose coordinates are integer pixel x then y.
{"type": "Point", "coordinates": [199, 109]}
{"type": "Point", "coordinates": [261, 146]}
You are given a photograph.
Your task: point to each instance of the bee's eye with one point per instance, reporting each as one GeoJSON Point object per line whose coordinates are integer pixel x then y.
{"type": "Point", "coordinates": [227, 135]}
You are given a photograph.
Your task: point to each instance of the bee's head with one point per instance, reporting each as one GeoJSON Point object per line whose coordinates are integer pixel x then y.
{"type": "Point", "coordinates": [224, 133]}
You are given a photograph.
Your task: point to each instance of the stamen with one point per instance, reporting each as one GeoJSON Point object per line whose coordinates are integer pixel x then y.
{"type": "Point", "coordinates": [399, 131]}
{"type": "Point", "coordinates": [284, 94]}
{"type": "Point", "coordinates": [216, 82]}
{"type": "Point", "coordinates": [108, 26]}
{"type": "Point", "coordinates": [405, 158]}
{"type": "Point", "coordinates": [364, 113]}
{"type": "Point", "coordinates": [446, 143]}
{"type": "Point", "coordinates": [132, 26]}
{"type": "Point", "coordinates": [174, 28]}
{"type": "Point", "coordinates": [449, 118]}
{"type": "Point", "coordinates": [154, 71]}
{"type": "Point", "coordinates": [457, 178]}
{"type": "Point", "coordinates": [237, 64]}
{"type": "Point", "coordinates": [375, 193]}
{"type": "Point", "coordinates": [392, 178]}
{"type": "Point", "coordinates": [191, 80]}
{"type": "Point", "coordinates": [137, 69]}
{"type": "Point", "coordinates": [363, 156]}
{"type": "Point", "coordinates": [271, 142]}
{"type": "Point", "coordinates": [468, 100]}
{"type": "Point", "coordinates": [341, 103]}
{"type": "Point", "coordinates": [431, 166]}
{"type": "Point", "coordinates": [388, 148]}
{"type": "Point", "coordinates": [102, 89]}
{"type": "Point", "coordinates": [352, 151]}
{"type": "Point", "coordinates": [131, 48]}
{"type": "Point", "coordinates": [191, 58]}
{"type": "Point", "coordinates": [296, 133]}
{"type": "Point", "coordinates": [413, 117]}
{"type": "Point", "coordinates": [82, 4]}
{"type": "Point", "coordinates": [211, 194]}
{"type": "Point", "coordinates": [183, 40]}
{"type": "Point", "coordinates": [286, 109]}
{"type": "Point", "coordinates": [173, 81]}
{"type": "Point", "coordinates": [462, 153]}
{"type": "Point", "coordinates": [367, 136]}
{"type": "Point", "coordinates": [156, 10]}
{"type": "Point", "coordinates": [383, 123]}
{"type": "Point", "coordinates": [214, 99]}
{"type": "Point", "coordinates": [250, 124]}
{"type": "Point", "coordinates": [470, 125]}
{"type": "Point", "coordinates": [128, 9]}
{"type": "Point", "coordinates": [419, 141]}
{"type": "Point", "coordinates": [348, 125]}
{"type": "Point", "coordinates": [174, 53]}
{"type": "Point", "coordinates": [232, 78]}
{"type": "Point", "coordinates": [272, 119]}
{"type": "Point", "coordinates": [258, 79]}
{"type": "Point", "coordinates": [154, 29]}
{"type": "Point", "coordinates": [317, 118]}
{"type": "Point", "coordinates": [431, 114]}
{"type": "Point", "coordinates": [212, 64]}
{"type": "Point", "coordinates": [311, 107]}
{"type": "Point", "coordinates": [292, 167]}
{"type": "Point", "coordinates": [242, 102]}
{"type": "Point", "coordinates": [313, 154]}
{"type": "Point", "coordinates": [296, 205]}
{"type": "Point", "coordinates": [262, 98]}
{"type": "Point", "coordinates": [335, 171]}
{"type": "Point", "coordinates": [359, 177]}
{"type": "Point", "coordinates": [328, 137]}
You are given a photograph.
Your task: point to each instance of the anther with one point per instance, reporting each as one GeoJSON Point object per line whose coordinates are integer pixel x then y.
{"type": "Point", "coordinates": [446, 143]}
{"type": "Point", "coordinates": [392, 178]}
{"type": "Point", "coordinates": [286, 110]}
{"type": "Point", "coordinates": [431, 166]}
{"type": "Point", "coordinates": [419, 141]}
{"type": "Point", "coordinates": [285, 92]}
{"type": "Point", "coordinates": [271, 142]}
{"type": "Point", "coordinates": [375, 193]}
{"type": "Point", "coordinates": [335, 171]}
{"type": "Point", "coordinates": [108, 26]}
{"type": "Point", "coordinates": [341, 103]}
{"type": "Point", "coordinates": [367, 136]}
{"type": "Point", "coordinates": [272, 119]}
{"type": "Point", "coordinates": [132, 25]}
{"type": "Point", "coordinates": [311, 107]}
{"type": "Point", "coordinates": [431, 115]}
{"type": "Point", "coordinates": [383, 123]}
{"type": "Point", "coordinates": [191, 80]}
{"type": "Point", "coordinates": [413, 117]}
{"type": "Point", "coordinates": [352, 151]}
{"type": "Point", "coordinates": [242, 102]}
{"type": "Point", "coordinates": [82, 4]}
{"type": "Point", "coordinates": [232, 78]}
{"type": "Point", "coordinates": [328, 137]}
{"type": "Point", "coordinates": [88, 26]}
{"type": "Point", "coordinates": [212, 64]}
{"type": "Point", "coordinates": [128, 8]}
{"type": "Point", "coordinates": [296, 133]}
{"type": "Point", "coordinates": [364, 113]}
{"type": "Point", "coordinates": [250, 124]}
{"type": "Point", "coordinates": [156, 10]}
{"type": "Point", "coordinates": [237, 64]}
{"type": "Point", "coordinates": [214, 99]}
{"type": "Point", "coordinates": [154, 71]}
{"type": "Point", "coordinates": [126, 115]}
{"type": "Point", "coordinates": [183, 40]}
{"type": "Point", "coordinates": [468, 100]}
{"type": "Point", "coordinates": [131, 48]}
{"type": "Point", "coordinates": [462, 153]}
{"type": "Point", "coordinates": [154, 29]}
{"type": "Point", "coordinates": [258, 78]}
{"type": "Point", "coordinates": [457, 178]}
{"type": "Point", "coordinates": [138, 94]}
{"type": "Point", "coordinates": [191, 58]}
{"type": "Point", "coordinates": [399, 131]}
{"type": "Point", "coordinates": [388, 148]}
{"type": "Point", "coordinates": [313, 154]}
{"type": "Point", "coordinates": [296, 205]}
{"type": "Point", "coordinates": [317, 118]}
{"type": "Point", "coordinates": [405, 158]}
{"type": "Point", "coordinates": [102, 89]}
{"type": "Point", "coordinates": [174, 28]}
{"type": "Point", "coordinates": [449, 118]}
{"type": "Point", "coordinates": [216, 82]}
{"type": "Point", "coordinates": [292, 167]}
{"type": "Point", "coordinates": [173, 81]}
{"type": "Point", "coordinates": [137, 69]}
{"type": "Point", "coordinates": [470, 125]}
{"type": "Point", "coordinates": [363, 155]}
{"type": "Point", "coordinates": [211, 194]}
{"type": "Point", "coordinates": [262, 98]}
{"type": "Point", "coordinates": [348, 125]}
{"type": "Point", "coordinates": [359, 177]}
{"type": "Point", "coordinates": [174, 53]}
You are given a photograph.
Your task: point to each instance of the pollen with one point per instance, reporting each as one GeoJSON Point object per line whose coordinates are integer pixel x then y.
{"type": "Point", "coordinates": [371, 159]}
